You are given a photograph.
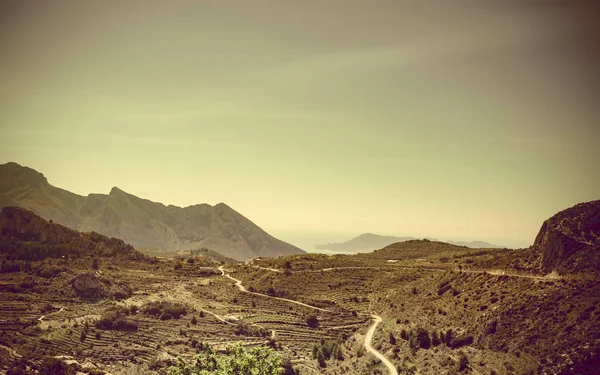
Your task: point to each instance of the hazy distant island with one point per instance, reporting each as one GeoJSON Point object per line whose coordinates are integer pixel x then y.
{"type": "Point", "coordinates": [369, 242]}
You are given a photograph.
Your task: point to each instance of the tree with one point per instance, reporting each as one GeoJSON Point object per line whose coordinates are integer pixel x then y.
{"type": "Point", "coordinates": [463, 362]}
{"type": "Point", "coordinates": [54, 366]}
{"type": "Point", "coordinates": [238, 360]}
{"type": "Point", "coordinates": [95, 263]}
{"type": "Point", "coordinates": [312, 321]}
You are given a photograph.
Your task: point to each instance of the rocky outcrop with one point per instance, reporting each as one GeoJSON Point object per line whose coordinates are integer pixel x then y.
{"type": "Point", "coordinates": [87, 285]}
{"type": "Point", "coordinates": [91, 285]}
{"type": "Point", "coordinates": [569, 242]}
{"type": "Point", "coordinates": [140, 222]}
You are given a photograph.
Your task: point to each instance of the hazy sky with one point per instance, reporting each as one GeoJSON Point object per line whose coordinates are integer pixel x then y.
{"type": "Point", "coordinates": [450, 119]}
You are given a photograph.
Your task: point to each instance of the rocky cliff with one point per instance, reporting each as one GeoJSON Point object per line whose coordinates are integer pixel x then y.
{"type": "Point", "coordinates": [569, 242]}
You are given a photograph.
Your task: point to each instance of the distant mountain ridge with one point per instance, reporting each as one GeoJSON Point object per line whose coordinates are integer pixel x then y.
{"type": "Point", "coordinates": [369, 242]}
{"type": "Point", "coordinates": [365, 242]}
{"type": "Point", "coordinates": [140, 222]}
{"type": "Point", "coordinates": [475, 244]}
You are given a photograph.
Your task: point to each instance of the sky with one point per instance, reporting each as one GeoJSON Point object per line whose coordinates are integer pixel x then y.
{"type": "Point", "coordinates": [317, 120]}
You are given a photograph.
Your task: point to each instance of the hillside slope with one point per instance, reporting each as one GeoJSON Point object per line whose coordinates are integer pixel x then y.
{"type": "Point", "coordinates": [26, 236]}
{"type": "Point", "coordinates": [140, 222]}
{"type": "Point", "coordinates": [569, 242]}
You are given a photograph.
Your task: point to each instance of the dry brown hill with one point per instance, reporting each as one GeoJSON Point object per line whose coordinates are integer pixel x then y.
{"type": "Point", "coordinates": [140, 222]}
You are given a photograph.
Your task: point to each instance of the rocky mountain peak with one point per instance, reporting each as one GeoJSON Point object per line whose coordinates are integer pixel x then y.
{"type": "Point", "coordinates": [14, 174]}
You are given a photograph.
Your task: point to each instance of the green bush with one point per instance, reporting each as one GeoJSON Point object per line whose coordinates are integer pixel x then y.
{"type": "Point", "coordinates": [164, 310]}
{"type": "Point", "coordinates": [115, 318]}
{"type": "Point", "coordinates": [238, 360]}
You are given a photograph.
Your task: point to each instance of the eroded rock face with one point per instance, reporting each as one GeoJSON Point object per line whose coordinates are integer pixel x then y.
{"type": "Point", "coordinates": [88, 285]}
{"type": "Point", "coordinates": [569, 242]}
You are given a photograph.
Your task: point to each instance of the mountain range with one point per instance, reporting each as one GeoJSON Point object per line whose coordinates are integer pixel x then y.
{"type": "Point", "coordinates": [369, 242]}
{"type": "Point", "coordinates": [140, 222]}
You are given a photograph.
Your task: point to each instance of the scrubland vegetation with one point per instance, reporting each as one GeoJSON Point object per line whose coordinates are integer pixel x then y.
{"type": "Point", "coordinates": [445, 310]}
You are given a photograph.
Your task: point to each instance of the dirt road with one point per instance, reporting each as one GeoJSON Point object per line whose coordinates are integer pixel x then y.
{"type": "Point", "coordinates": [43, 316]}
{"type": "Point", "coordinates": [242, 288]}
{"type": "Point", "coordinates": [369, 338]}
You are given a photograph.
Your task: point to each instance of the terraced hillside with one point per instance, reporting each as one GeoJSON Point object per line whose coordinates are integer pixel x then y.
{"type": "Point", "coordinates": [456, 316]}
{"type": "Point", "coordinates": [442, 311]}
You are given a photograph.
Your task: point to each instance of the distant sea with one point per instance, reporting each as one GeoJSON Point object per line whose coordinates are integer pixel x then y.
{"type": "Point", "coordinates": [307, 241]}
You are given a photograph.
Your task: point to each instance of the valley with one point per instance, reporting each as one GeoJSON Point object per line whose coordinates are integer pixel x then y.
{"type": "Point", "coordinates": [418, 306]}
{"type": "Point", "coordinates": [299, 187]}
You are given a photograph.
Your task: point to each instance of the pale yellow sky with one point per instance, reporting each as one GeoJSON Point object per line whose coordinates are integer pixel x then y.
{"type": "Point", "coordinates": [456, 120]}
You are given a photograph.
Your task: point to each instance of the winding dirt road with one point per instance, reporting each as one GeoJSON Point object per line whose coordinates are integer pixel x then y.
{"type": "Point", "coordinates": [369, 338]}
{"type": "Point", "coordinates": [11, 352]}
{"type": "Point", "coordinates": [56, 312]}
{"type": "Point", "coordinates": [242, 288]}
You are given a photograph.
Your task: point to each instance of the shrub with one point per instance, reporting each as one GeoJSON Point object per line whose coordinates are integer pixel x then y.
{"type": "Point", "coordinates": [392, 339]}
{"type": "Point", "coordinates": [312, 321]}
{"type": "Point", "coordinates": [95, 263]}
{"type": "Point", "coordinates": [404, 334]}
{"type": "Point", "coordinates": [463, 362]}
{"type": "Point", "coordinates": [55, 366]}
{"type": "Point", "coordinates": [443, 289]}
{"type": "Point", "coordinates": [448, 337]}
{"type": "Point", "coordinates": [460, 341]}
{"type": "Point", "coordinates": [238, 360]}
{"type": "Point", "coordinates": [164, 310]}
{"type": "Point", "coordinates": [115, 318]}
{"type": "Point", "coordinates": [423, 339]}
{"type": "Point", "coordinates": [10, 266]}
{"type": "Point", "coordinates": [177, 266]}
{"type": "Point", "coordinates": [325, 350]}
